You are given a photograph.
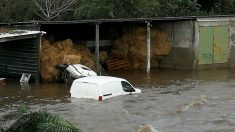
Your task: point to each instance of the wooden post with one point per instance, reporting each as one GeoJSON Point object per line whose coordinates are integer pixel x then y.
{"type": "Point", "coordinates": [97, 46]}
{"type": "Point", "coordinates": [148, 50]}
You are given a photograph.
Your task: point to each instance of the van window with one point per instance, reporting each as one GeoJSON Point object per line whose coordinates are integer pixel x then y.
{"type": "Point", "coordinates": [127, 87]}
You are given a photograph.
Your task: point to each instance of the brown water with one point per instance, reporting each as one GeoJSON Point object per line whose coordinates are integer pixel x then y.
{"type": "Point", "coordinates": [171, 101]}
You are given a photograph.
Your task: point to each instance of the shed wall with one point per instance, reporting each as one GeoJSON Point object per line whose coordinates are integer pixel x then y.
{"type": "Point", "coordinates": [182, 37]}
{"type": "Point", "coordinates": [20, 56]}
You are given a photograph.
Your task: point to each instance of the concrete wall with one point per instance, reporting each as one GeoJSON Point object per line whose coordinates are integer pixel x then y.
{"type": "Point", "coordinates": [232, 43]}
{"type": "Point", "coordinates": [182, 38]}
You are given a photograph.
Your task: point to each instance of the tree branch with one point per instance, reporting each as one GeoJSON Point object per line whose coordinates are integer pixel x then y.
{"type": "Point", "coordinates": [50, 9]}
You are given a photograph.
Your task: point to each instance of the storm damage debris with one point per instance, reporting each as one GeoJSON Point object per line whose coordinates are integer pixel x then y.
{"type": "Point", "coordinates": [62, 52]}
{"type": "Point", "coordinates": [2, 81]}
{"type": "Point", "coordinates": [196, 102]}
{"type": "Point", "coordinates": [147, 128]}
{"type": "Point", "coordinates": [132, 47]}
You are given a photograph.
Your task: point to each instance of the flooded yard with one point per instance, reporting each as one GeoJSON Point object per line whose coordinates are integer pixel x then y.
{"type": "Point", "coordinates": [171, 101]}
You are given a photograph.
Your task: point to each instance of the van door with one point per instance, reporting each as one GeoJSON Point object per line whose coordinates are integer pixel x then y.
{"type": "Point", "coordinates": [127, 87]}
{"type": "Point", "coordinates": [85, 90]}
{"type": "Point", "coordinates": [92, 91]}
{"type": "Point", "coordinates": [111, 89]}
{"type": "Point", "coordinates": [78, 90]}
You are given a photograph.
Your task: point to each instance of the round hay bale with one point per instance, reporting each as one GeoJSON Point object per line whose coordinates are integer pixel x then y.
{"type": "Point", "coordinates": [132, 45]}
{"type": "Point", "coordinates": [62, 52]}
{"type": "Point", "coordinates": [161, 41]}
{"type": "Point", "coordinates": [67, 45]}
{"type": "Point", "coordinates": [46, 73]}
{"type": "Point", "coordinates": [58, 45]}
{"type": "Point", "coordinates": [45, 44]}
{"type": "Point", "coordinates": [138, 50]}
{"type": "Point", "coordinates": [120, 49]}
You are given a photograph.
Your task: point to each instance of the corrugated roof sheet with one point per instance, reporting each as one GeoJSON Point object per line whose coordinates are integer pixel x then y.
{"type": "Point", "coordinates": [119, 20]}
{"type": "Point", "coordinates": [116, 20]}
{"type": "Point", "coordinates": [6, 35]}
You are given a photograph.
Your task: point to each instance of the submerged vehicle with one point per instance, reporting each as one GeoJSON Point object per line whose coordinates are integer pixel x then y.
{"type": "Point", "coordinates": [71, 72]}
{"type": "Point", "coordinates": [101, 87]}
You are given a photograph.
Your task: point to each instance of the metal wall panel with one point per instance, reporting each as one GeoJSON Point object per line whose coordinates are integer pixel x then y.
{"type": "Point", "coordinates": [205, 45]}
{"type": "Point", "coordinates": [221, 49]}
{"type": "Point", "coordinates": [20, 56]}
{"type": "Point", "coordinates": [213, 45]}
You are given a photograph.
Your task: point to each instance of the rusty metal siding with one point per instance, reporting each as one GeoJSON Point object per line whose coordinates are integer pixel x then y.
{"type": "Point", "coordinates": [213, 44]}
{"type": "Point", "coordinates": [205, 45]}
{"type": "Point", "coordinates": [221, 49]}
{"type": "Point", "coordinates": [20, 56]}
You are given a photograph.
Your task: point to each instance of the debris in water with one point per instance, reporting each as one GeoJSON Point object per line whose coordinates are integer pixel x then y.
{"type": "Point", "coordinates": [197, 102]}
{"type": "Point", "coordinates": [2, 81]}
{"type": "Point", "coordinates": [147, 128]}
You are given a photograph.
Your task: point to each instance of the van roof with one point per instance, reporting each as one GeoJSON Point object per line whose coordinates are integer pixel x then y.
{"type": "Point", "coordinates": [99, 79]}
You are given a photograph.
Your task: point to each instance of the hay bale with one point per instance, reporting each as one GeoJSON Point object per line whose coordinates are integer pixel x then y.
{"type": "Point", "coordinates": [62, 52]}
{"type": "Point", "coordinates": [121, 48]}
{"type": "Point", "coordinates": [161, 42]}
{"type": "Point", "coordinates": [132, 46]}
{"type": "Point", "coordinates": [65, 46]}
{"type": "Point", "coordinates": [88, 61]}
{"type": "Point", "coordinates": [72, 59]}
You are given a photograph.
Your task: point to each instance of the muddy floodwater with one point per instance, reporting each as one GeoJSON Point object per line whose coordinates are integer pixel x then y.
{"type": "Point", "coordinates": [171, 101]}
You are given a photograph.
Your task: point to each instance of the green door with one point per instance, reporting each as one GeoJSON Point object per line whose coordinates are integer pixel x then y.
{"type": "Point", "coordinates": [205, 45]}
{"type": "Point", "coordinates": [213, 45]}
{"type": "Point", "coordinates": [221, 44]}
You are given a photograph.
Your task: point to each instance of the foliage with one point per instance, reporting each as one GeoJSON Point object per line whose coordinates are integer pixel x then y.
{"type": "Point", "coordinates": [25, 10]}
{"type": "Point", "coordinates": [16, 10]}
{"type": "Point", "coordinates": [40, 122]}
{"type": "Point", "coordinates": [93, 9]}
{"type": "Point", "coordinates": [22, 109]}
{"type": "Point", "coordinates": [179, 7]}
{"type": "Point", "coordinates": [149, 8]}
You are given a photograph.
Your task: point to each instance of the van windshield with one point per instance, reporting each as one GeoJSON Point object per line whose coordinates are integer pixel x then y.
{"type": "Point", "coordinates": [127, 87]}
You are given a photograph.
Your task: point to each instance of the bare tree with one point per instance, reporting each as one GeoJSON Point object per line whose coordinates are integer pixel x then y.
{"type": "Point", "coordinates": [49, 9]}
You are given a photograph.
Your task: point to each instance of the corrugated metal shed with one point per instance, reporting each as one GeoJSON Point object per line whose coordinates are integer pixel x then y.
{"type": "Point", "coordinates": [19, 53]}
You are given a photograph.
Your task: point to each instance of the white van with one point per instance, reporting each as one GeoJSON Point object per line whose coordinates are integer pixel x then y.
{"type": "Point", "coordinates": [101, 87]}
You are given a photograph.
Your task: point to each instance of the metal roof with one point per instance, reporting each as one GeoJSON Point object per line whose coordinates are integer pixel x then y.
{"type": "Point", "coordinates": [18, 34]}
{"type": "Point", "coordinates": [119, 20]}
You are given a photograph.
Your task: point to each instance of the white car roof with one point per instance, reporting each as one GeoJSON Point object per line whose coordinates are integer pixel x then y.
{"type": "Point", "coordinates": [99, 79]}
